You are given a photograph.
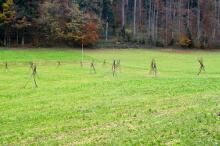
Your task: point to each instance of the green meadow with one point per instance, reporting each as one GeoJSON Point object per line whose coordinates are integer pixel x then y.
{"type": "Point", "coordinates": [74, 106]}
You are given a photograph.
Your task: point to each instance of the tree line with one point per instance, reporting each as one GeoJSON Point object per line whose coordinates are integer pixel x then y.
{"type": "Point", "coordinates": [162, 23]}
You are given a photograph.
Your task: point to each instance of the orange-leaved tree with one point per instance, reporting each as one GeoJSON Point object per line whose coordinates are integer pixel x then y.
{"type": "Point", "coordinates": [90, 33]}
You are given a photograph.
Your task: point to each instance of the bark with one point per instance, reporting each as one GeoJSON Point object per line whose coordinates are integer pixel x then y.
{"type": "Point", "coordinates": [17, 39]}
{"type": "Point", "coordinates": [5, 38]}
{"type": "Point", "coordinates": [82, 54]}
{"type": "Point", "coordinates": [153, 23]}
{"type": "Point", "coordinates": [149, 19]}
{"type": "Point", "coordinates": [188, 14]}
{"type": "Point", "coordinates": [134, 15]}
{"type": "Point", "coordinates": [140, 13]}
{"type": "Point", "coordinates": [179, 18]}
{"type": "Point", "coordinates": [123, 13]}
{"type": "Point", "coordinates": [198, 22]}
{"type": "Point", "coordinates": [106, 31]}
{"type": "Point", "coordinates": [9, 40]}
{"type": "Point", "coordinates": [156, 24]}
{"type": "Point", "coordinates": [22, 39]}
{"type": "Point", "coordinates": [214, 21]}
{"type": "Point", "coordinates": [166, 25]}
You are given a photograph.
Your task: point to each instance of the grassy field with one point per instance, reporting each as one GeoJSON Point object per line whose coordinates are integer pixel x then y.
{"type": "Point", "coordinates": [75, 107]}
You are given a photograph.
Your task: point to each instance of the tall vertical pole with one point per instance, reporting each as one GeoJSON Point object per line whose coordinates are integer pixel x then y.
{"type": "Point", "coordinates": [106, 30]}
{"type": "Point", "coordinates": [82, 43]}
{"type": "Point", "coordinates": [82, 58]}
{"type": "Point", "coordinates": [198, 21]}
{"type": "Point", "coordinates": [188, 14]}
{"type": "Point", "coordinates": [134, 21]}
{"type": "Point", "coordinates": [123, 13]}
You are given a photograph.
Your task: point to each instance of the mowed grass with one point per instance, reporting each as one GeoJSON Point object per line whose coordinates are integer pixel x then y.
{"type": "Point", "coordinates": [75, 107]}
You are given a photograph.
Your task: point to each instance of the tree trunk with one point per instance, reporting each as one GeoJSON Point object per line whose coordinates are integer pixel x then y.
{"type": "Point", "coordinates": [106, 30]}
{"type": "Point", "coordinates": [218, 13]}
{"type": "Point", "coordinates": [149, 19]}
{"type": "Point", "coordinates": [123, 13]}
{"type": "Point", "coordinates": [134, 21]}
{"type": "Point", "coordinates": [9, 40]}
{"type": "Point", "coordinates": [22, 39]}
{"type": "Point", "coordinates": [171, 18]}
{"type": "Point", "coordinates": [214, 21]}
{"type": "Point", "coordinates": [153, 22]}
{"type": "Point", "coordinates": [188, 14]}
{"type": "Point", "coordinates": [82, 53]}
{"type": "Point", "coordinates": [198, 22]}
{"type": "Point", "coordinates": [179, 19]}
{"type": "Point", "coordinates": [17, 37]}
{"type": "Point", "coordinates": [5, 39]}
{"type": "Point", "coordinates": [140, 14]}
{"type": "Point", "coordinates": [166, 26]}
{"type": "Point", "coordinates": [156, 24]}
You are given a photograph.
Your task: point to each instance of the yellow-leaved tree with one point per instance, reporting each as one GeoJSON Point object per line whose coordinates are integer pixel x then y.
{"type": "Point", "coordinates": [7, 19]}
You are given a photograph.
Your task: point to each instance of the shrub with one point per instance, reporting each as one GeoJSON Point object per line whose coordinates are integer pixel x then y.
{"type": "Point", "coordinates": [185, 42]}
{"type": "Point", "coordinates": [159, 43]}
{"type": "Point", "coordinates": [171, 42]}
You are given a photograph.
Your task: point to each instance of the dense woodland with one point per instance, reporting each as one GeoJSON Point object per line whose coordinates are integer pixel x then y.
{"type": "Point", "coordinates": [162, 23]}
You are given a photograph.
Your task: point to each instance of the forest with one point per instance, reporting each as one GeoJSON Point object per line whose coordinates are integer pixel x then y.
{"type": "Point", "coordinates": [157, 23]}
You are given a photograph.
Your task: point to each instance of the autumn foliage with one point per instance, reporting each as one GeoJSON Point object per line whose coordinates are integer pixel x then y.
{"type": "Point", "coordinates": [185, 42]}
{"type": "Point", "coordinates": [139, 22]}
{"type": "Point", "coordinates": [90, 33]}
